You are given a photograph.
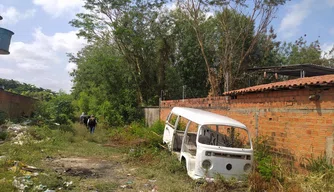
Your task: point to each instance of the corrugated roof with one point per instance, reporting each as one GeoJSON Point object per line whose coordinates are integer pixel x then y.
{"type": "Point", "coordinates": [297, 70]}
{"type": "Point", "coordinates": [294, 83]}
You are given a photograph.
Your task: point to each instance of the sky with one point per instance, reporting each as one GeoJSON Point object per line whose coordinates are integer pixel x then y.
{"type": "Point", "coordinates": [43, 36]}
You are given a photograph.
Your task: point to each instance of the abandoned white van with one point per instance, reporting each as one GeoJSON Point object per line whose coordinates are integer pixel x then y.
{"type": "Point", "coordinates": [209, 143]}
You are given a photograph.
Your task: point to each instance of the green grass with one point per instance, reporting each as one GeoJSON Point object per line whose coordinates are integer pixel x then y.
{"type": "Point", "coordinates": [107, 187]}
{"type": "Point", "coordinates": [137, 147]}
{"type": "Point", "coordinates": [136, 151]}
{"type": "Point", "coordinates": [43, 142]}
{"type": "Point", "coordinates": [6, 176]}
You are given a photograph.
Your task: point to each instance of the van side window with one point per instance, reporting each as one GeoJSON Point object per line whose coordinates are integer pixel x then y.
{"type": "Point", "coordinates": [204, 136]}
{"type": "Point", "coordinates": [178, 137]}
{"type": "Point", "coordinates": [182, 124]}
{"type": "Point", "coordinates": [190, 145]}
{"type": "Point", "coordinates": [172, 120]}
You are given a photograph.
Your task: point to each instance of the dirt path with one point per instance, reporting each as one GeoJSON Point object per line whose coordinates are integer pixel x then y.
{"type": "Point", "coordinates": [92, 170]}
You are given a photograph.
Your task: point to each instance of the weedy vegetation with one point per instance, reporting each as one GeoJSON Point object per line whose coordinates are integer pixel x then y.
{"type": "Point", "coordinates": [133, 158]}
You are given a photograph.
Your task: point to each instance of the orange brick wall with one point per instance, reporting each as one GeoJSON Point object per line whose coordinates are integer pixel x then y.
{"type": "Point", "coordinates": [296, 127]}
{"type": "Point", "coordinates": [15, 105]}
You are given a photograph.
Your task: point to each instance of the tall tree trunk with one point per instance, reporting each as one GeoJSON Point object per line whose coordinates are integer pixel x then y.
{"type": "Point", "coordinates": [164, 53]}
{"type": "Point", "coordinates": [212, 77]}
{"type": "Point", "coordinates": [227, 81]}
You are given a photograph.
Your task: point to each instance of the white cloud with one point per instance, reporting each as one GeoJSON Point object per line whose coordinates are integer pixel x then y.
{"type": "Point", "coordinates": [326, 48]}
{"type": "Point", "coordinates": [43, 62]}
{"type": "Point", "coordinates": [12, 16]}
{"type": "Point", "coordinates": [33, 66]}
{"type": "Point", "coordinates": [6, 71]}
{"type": "Point", "coordinates": [294, 18]}
{"type": "Point", "coordinates": [64, 42]}
{"type": "Point", "coordinates": [71, 66]}
{"type": "Point", "coordinates": [57, 8]}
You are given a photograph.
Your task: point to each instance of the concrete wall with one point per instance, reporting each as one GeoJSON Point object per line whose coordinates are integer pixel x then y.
{"type": "Point", "coordinates": [152, 114]}
{"type": "Point", "coordinates": [16, 105]}
{"type": "Point", "coordinates": [296, 126]}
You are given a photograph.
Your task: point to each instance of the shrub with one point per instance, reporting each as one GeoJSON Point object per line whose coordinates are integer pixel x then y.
{"type": "Point", "coordinates": [263, 159]}
{"type": "Point", "coordinates": [320, 176]}
{"type": "Point", "coordinates": [58, 110]}
{"type": "Point", "coordinates": [158, 127]}
{"type": "Point", "coordinates": [3, 135]}
{"type": "Point", "coordinates": [318, 164]}
{"type": "Point", "coordinates": [3, 117]}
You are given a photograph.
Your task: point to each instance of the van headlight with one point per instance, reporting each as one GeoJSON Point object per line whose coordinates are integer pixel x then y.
{"type": "Point", "coordinates": [247, 167]}
{"type": "Point", "coordinates": [206, 164]}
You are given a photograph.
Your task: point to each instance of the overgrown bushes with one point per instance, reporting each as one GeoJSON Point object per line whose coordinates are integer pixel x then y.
{"type": "Point", "coordinates": [137, 134]}
{"type": "Point", "coordinates": [270, 171]}
{"type": "Point", "coordinates": [3, 117]}
{"type": "Point", "coordinates": [274, 173]}
{"type": "Point", "coordinates": [59, 110]}
{"type": "Point", "coordinates": [3, 135]}
{"type": "Point", "coordinates": [318, 164]}
{"type": "Point", "coordinates": [143, 147]}
{"type": "Point", "coordinates": [320, 176]}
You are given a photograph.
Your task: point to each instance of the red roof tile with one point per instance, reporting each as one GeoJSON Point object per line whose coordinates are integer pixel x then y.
{"type": "Point", "coordinates": [294, 83]}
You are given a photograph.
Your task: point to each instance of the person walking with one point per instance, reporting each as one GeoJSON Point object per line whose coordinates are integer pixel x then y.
{"type": "Point", "coordinates": [82, 117]}
{"type": "Point", "coordinates": [91, 123]}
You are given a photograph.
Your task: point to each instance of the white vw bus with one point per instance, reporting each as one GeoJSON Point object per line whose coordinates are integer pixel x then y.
{"type": "Point", "coordinates": [209, 143]}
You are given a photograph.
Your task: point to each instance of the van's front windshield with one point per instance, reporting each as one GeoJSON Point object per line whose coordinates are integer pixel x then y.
{"type": "Point", "coordinates": [226, 136]}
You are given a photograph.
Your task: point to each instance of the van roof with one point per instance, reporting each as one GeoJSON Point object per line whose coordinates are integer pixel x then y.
{"type": "Point", "coordinates": [206, 118]}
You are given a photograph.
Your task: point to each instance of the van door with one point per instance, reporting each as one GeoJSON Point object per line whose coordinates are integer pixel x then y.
{"type": "Point", "coordinates": [170, 130]}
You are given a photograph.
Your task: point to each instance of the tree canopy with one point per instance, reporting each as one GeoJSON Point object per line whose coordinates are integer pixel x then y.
{"type": "Point", "coordinates": [140, 51]}
{"type": "Point", "coordinates": [26, 89]}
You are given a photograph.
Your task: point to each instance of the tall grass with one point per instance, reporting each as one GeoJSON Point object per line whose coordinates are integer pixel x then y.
{"type": "Point", "coordinates": [270, 171]}
{"type": "Point", "coordinates": [42, 142]}
{"type": "Point", "coordinates": [140, 147]}
{"type": "Point", "coordinates": [320, 176]}
{"type": "Point", "coordinates": [318, 164]}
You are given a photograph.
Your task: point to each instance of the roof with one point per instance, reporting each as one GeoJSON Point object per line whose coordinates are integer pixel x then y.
{"type": "Point", "coordinates": [297, 70]}
{"type": "Point", "coordinates": [206, 118]}
{"type": "Point", "coordinates": [294, 83]}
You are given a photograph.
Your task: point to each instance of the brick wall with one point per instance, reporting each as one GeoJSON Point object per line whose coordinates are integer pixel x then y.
{"type": "Point", "coordinates": [296, 126]}
{"type": "Point", "coordinates": [15, 105]}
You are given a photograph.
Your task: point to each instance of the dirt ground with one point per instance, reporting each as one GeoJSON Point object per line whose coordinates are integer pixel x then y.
{"type": "Point", "coordinates": [91, 170]}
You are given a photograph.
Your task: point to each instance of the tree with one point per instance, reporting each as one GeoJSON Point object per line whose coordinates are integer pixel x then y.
{"type": "Point", "coordinates": [103, 86]}
{"type": "Point", "coordinates": [328, 58]}
{"type": "Point", "coordinates": [62, 110]}
{"type": "Point", "coordinates": [59, 109]}
{"type": "Point", "coordinates": [134, 28]}
{"type": "Point", "coordinates": [188, 67]}
{"type": "Point", "coordinates": [300, 52]}
{"type": "Point", "coordinates": [238, 35]}
{"type": "Point", "coordinates": [27, 89]}
{"type": "Point", "coordinates": [83, 101]}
